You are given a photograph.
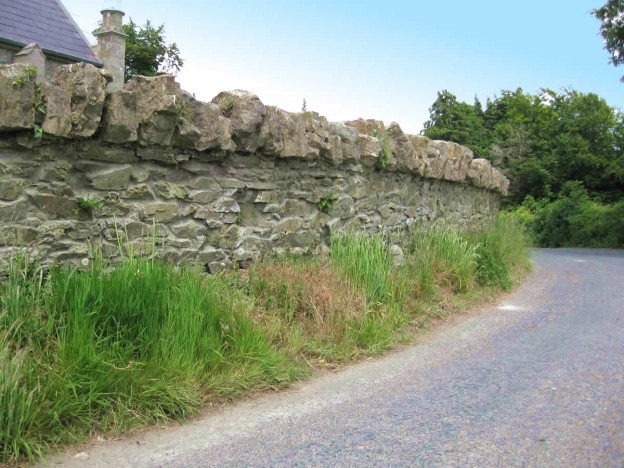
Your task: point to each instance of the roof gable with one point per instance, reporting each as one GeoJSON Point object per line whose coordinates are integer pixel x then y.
{"type": "Point", "coordinates": [47, 23]}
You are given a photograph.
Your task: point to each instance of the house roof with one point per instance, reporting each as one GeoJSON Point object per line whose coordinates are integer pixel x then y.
{"type": "Point", "coordinates": [47, 23]}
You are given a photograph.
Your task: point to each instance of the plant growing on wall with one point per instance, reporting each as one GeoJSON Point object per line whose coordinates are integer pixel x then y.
{"type": "Point", "coordinates": [40, 106]}
{"type": "Point", "coordinates": [227, 105]}
{"type": "Point", "coordinates": [31, 72]}
{"type": "Point", "coordinates": [326, 203]}
{"type": "Point", "coordinates": [385, 155]}
{"type": "Point", "coordinates": [89, 204]}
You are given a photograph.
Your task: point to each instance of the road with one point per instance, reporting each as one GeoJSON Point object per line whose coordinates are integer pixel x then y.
{"type": "Point", "coordinates": [534, 380]}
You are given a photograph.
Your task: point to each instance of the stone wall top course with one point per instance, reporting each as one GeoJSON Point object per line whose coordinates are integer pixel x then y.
{"type": "Point", "coordinates": [154, 118]}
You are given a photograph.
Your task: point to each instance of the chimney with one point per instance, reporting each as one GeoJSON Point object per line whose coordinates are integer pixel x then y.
{"type": "Point", "coordinates": [112, 46]}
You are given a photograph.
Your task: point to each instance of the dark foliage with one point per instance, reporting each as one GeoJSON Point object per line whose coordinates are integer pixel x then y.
{"type": "Point", "coordinates": [148, 54]}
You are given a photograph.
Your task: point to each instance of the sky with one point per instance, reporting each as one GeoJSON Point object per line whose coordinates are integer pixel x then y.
{"type": "Point", "coordinates": [384, 60]}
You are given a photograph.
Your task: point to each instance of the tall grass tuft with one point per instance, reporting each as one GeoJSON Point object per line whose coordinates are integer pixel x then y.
{"type": "Point", "coordinates": [18, 407]}
{"type": "Point", "coordinates": [502, 252]}
{"type": "Point", "coordinates": [365, 261]}
{"type": "Point", "coordinates": [441, 255]}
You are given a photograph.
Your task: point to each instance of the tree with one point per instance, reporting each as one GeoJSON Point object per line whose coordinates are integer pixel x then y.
{"type": "Point", "coordinates": [147, 53]}
{"type": "Point", "coordinates": [612, 29]}
{"type": "Point", "coordinates": [540, 141]}
{"type": "Point", "coordinates": [447, 119]}
{"type": "Point", "coordinates": [459, 122]}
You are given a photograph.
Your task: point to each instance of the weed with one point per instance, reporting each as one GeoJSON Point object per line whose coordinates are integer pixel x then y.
{"type": "Point", "coordinates": [309, 296]}
{"type": "Point", "coordinates": [326, 203]}
{"type": "Point", "coordinates": [40, 101]}
{"type": "Point", "coordinates": [444, 256]}
{"type": "Point", "coordinates": [365, 261]}
{"type": "Point", "coordinates": [31, 72]}
{"type": "Point", "coordinates": [227, 105]}
{"type": "Point", "coordinates": [19, 82]}
{"type": "Point", "coordinates": [183, 110]}
{"type": "Point", "coordinates": [89, 204]}
{"type": "Point", "coordinates": [491, 268]}
{"type": "Point", "coordinates": [502, 252]}
{"type": "Point", "coordinates": [385, 155]}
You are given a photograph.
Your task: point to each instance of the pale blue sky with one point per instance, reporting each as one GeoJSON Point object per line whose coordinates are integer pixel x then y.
{"type": "Point", "coordinates": [373, 59]}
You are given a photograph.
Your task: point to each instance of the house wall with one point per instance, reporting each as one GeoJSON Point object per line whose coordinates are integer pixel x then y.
{"type": "Point", "coordinates": [6, 55]}
{"type": "Point", "coordinates": [52, 66]}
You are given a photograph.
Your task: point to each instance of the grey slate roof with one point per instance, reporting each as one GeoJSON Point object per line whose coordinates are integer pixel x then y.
{"type": "Point", "coordinates": [47, 23]}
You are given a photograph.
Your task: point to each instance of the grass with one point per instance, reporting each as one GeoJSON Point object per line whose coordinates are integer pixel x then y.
{"type": "Point", "coordinates": [109, 348]}
{"type": "Point", "coordinates": [445, 257]}
{"type": "Point", "coordinates": [312, 307]}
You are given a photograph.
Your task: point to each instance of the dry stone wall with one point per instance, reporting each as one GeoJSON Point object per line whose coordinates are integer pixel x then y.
{"type": "Point", "coordinates": [218, 183]}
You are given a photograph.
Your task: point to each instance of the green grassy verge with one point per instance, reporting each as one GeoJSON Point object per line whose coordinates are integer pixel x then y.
{"type": "Point", "coordinates": [110, 349]}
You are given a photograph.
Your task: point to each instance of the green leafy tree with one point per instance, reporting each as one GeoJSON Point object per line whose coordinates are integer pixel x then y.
{"type": "Point", "coordinates": [541, 141]}
{"type": "Point", "coordinates": [456, 121]}
{"type": "Point", "coordinates": [448, 119]}
{"type": "Point", "coordinates": [611, 14]}
{"type": "Point", "coordinates": [148, 54]}
{"type": "Point", "coordinates": [582, 142]}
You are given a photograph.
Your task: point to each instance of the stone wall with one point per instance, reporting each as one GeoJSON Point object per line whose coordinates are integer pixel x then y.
{"type": "Point", "coordinates": [218, 183]}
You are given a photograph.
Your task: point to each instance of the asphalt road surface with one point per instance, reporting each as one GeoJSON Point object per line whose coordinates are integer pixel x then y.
{"type": "Point", "coordinates": [535, 380]}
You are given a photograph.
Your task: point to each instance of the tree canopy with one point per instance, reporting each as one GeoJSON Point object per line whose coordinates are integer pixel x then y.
{"type": "Point", "coordinates": [148, 54]}
{"type": "Point", "coordinates": [611, 14]}
{"type": "Point", "coordinates": [562, 151]}
{"type": "Point", "coordinates": [541, 141]}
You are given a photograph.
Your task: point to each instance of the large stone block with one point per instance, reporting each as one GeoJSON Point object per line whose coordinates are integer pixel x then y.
{"type": "Point", "coordinates": [170, 191]}
{"type": "Point", "coordinates": [10, 189]}
{"type": "Point", "coordinates": [138, 192]}
{"type": "Point", "coordinates": [342, 207]}
{"type": "Point", "coordinates": [17, 236]}
{"type": "Point", "coordinates": [17, 97]}
{"type": "Point", "coordinates": [480, 173]}
{"type": "Point", "coordinates": [245, 111]}
{"type": "Point", "coordinates": [370, 148]}
{"type": "Point", "coordinates": [202, 127]}
{"type": "Point", "coordinates": [406, 157]}
{"type": "Point", "coordinates": [117, 178]}
{"type": "Point", "coordinates": [159, 212]}
{"type": "Point", "coordinates": [448, 161]}
{"type": "Point", "coordinates": [145, 110]}
{"type": "Point", "coordinates": [96, 151]}
{"type": "Point", "coordinates": [343, 144]}
{"type": "Point", "coordinates": [500, 182]}
{"type": "Point", "coordinates": [367, 126]}
{"type": "Point", "coordinates": [75, 98]}
{"type": "Point", "coordinates": [285, 134]}
{"type": "Point", "coordinates": [57, 206]}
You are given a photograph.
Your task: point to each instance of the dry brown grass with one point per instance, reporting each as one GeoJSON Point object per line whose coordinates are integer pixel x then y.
{"type": "Point", "coordinates": [309, 293]}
